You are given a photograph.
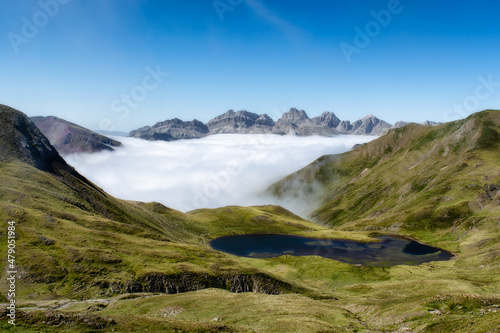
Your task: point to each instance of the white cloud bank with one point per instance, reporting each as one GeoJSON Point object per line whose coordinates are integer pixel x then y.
{"type": "Point", "coordinates": [216, 171]}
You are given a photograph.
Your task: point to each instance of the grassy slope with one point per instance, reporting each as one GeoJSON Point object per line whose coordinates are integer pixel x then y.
{"type": "Point", "coordinates": [75, 241]}
{"type": "Point", "coordinates": [101, 242]}
{"type": "Point", "coordinates": [438, 184]}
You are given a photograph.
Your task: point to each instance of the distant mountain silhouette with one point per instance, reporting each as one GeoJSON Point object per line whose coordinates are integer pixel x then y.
{"type": "Point", "coordinates": [70, 138]}
{"type": "Point", "coordinates": [243, 122]}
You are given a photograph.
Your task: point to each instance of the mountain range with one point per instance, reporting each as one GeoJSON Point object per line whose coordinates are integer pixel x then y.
{"type": "Point", "coordinates": [243, 122]}
{"type": "Point", "coordinates": [87, 261]}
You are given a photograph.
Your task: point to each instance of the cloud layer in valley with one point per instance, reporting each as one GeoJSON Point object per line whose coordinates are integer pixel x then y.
{"type": "Point", "coordinates": [215, 171]}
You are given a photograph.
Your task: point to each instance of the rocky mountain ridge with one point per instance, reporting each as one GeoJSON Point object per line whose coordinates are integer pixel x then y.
{"type": "Point", "coordinates": [69, 138]}
{"type": "Point", "coordinates": [173, 129]}
{"type": "Point", "coordinates": [21, 139]}
{"type": "Point", "coordinates": [244, 122]}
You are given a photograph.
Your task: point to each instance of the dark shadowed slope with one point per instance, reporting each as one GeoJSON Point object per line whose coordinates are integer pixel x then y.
{"type": "Point", "coordinates": [21, 139]}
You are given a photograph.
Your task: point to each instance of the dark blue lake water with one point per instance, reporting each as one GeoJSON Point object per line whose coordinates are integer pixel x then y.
{"type": "Point", "coordinates": [389, 251]}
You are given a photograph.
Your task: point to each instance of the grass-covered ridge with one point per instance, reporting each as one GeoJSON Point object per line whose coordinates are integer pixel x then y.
{"type": "Point", "coordinates": [418, 177]}
{"type": "Point", "coordinates": [145, 266]}
{"type": "Point", "coordinates": [438, 184]}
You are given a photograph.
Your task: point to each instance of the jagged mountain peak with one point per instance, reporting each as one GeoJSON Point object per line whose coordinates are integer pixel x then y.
{"type": "Point", "coordinates": [369, 118]}
{"type": "Point", "coordinates": [327, 118]}
{"type": "Point", "coordinates": [172, 129]}
{"type": "Point", "coordinates": [295, 114]}
{"type": "Point", "coordinates": [370, 125]}
{"type": "Point", "coordinates": [241, 121]}
{"type": "Point", "coordinates": [295, 121]}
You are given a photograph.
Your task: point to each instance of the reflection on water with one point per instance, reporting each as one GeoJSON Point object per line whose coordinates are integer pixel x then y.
{"type": "Point", "coordinates": [389, 251]}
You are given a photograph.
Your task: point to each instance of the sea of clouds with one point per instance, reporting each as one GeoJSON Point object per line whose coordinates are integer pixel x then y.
{"type": "Point", "coordinates": [216, 171]}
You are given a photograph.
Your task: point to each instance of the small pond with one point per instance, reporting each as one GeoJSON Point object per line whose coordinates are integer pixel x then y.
{"type": "Point", "coordinates": [389, 251]}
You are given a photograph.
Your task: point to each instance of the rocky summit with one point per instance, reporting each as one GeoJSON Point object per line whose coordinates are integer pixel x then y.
{"type": "Point", "coordinates": [244, 122]}
{"type": "Point", "coordinates": [174, 129]}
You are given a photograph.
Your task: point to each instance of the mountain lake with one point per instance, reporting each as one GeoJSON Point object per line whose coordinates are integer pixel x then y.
{"type": "Point", "coordinates": [389, 251]}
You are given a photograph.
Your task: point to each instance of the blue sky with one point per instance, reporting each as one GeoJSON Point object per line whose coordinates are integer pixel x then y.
{"type": "Point", "coordinates": [436, 60]}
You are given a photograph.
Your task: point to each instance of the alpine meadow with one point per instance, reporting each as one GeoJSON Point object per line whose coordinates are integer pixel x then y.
{"type": "Point", "coordinates": [253, 166]}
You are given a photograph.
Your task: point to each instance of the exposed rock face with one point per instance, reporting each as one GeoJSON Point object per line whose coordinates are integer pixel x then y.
{"type": "Point", "coordinates": [264, 120]}
{"type": "Point", "coordinates": [242, 122]}
{"type": "Point", "coordinates": [21, 139]}
{"type": "Point", "coordinates": [174, 129]}
{"type": "Point", "coordinates": [292, 122]}
{"type": "Point", "coordinates": [345, 127]}
{"type": "Point", "coordinates": [369, 125]}
{"type": "Point", "coordinates": [293, 116]}
{"type": "Point", "coordinates": [236, 283]}
{"type": "Point", "coordinates": [328, 119]}
{"type": "Point", "coordinates": [70, 138]}
{"type": "Point", "coordinates": [327, 124]}
{"type": "Point", "coordinates": [297, 122]}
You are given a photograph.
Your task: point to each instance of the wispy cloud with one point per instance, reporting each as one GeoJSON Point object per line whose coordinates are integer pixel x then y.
{"type": "Point", "coordinates": [216, 171]}
{"type": "Point", "coordinates": [288, 29]}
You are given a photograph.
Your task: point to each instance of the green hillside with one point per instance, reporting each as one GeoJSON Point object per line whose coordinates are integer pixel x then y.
{"type": "Point", "coordinates": [438, 184]}
{"type": "Point", "coordinates": [415, 178]}
{"type": "Point", "coordinates": [89, 262]}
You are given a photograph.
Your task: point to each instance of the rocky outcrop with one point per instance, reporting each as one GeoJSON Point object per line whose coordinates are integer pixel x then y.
{"type": "Point", "coordinates": [328, 124]}
{"type": "Point", "coordinates": [327, 119]}
{"type": "Point", "coordinates": [241, 122]}
{"type": "Point", "coordinates": [180, 283]}
{"type": "Point", "coordinates": [236, 283]}
{"type": "Point", "coordinates": [174, 129]}
{"type": "Point", "coordinates": [298, 122]}
{"type": "Point", "coordinates": [369, 125]}
{"type": "Point", "coordinates": [21, 139]}
{"type": "Point", "coordinates": [69, 138]}
{"type": "Point", "coordinates": [344, 127]}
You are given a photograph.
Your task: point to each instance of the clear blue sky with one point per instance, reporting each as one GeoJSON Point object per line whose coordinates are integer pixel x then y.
{"type": "Point", "coordinates": [264, 56]}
